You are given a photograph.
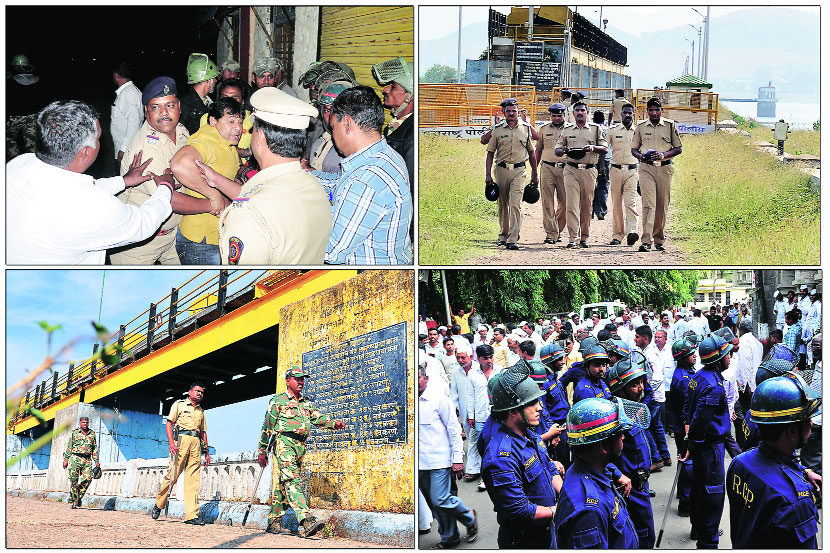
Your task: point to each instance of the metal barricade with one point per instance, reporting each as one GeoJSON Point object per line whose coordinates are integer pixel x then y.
{"type": "Point", "coordinates": [692, 110]}
{"type": "Point", "coordinates": [462, 105]}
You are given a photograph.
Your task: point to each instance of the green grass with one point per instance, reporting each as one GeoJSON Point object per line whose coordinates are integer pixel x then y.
{"type": "Point", "coordinates": [736, 206]}
{"type": "Point", "coordinates": [456, 222]}
{"type": "Point", "coordinates": [797, 143]}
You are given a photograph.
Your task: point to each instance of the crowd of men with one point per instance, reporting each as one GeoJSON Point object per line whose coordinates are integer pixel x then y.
{"type": "Point", "coordinates": [577, 158]}
{"type": "Point", "coordinates": [565, 421]}
{"type": "Point", "coordinates": [224, 172]}
{"type": "Point", "coordinates": [287, 426]}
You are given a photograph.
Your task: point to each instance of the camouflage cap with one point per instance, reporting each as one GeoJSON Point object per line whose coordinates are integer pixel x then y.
{"type": "Point", "coordinates": [265, 65]}
{"type": "Point", "coordinates": [296, 372]}
{"type": "Point", "coordinates": [230, 65]}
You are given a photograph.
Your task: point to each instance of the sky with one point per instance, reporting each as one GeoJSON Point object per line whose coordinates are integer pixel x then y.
{"type": "Point", "coordinates": [71, 298]}
{"type": "Point", "coordinates": [443, 20]}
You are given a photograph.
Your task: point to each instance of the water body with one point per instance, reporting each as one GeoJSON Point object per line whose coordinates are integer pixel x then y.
{"type": "Point", "coordinates": [799, 116]}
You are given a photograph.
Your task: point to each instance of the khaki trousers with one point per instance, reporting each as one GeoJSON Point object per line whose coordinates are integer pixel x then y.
{"type": "Point", "coordinates": [552, 189]}
{"type": "Point", "coordinates": [147, 252]}
{"type": "Point", "coordinates": [623, 202]}
{"type": "Point", "coordinates": [655, 186]}
{"type": "Point", "coordinates": [511, 187]}
{"type": "Point", "coordinates": [579, 199]}
{"type": "Point", "coordinates": [187, 465]}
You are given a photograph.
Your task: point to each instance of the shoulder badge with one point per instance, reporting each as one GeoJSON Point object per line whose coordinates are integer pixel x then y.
{"type": "Point", "coordinates": [235, 247]}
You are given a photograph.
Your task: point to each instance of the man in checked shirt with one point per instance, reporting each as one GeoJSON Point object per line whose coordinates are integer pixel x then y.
{"type": "Point", "coordinates": [371, 203]}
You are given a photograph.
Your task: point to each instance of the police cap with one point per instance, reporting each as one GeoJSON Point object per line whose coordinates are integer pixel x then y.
{"type": "Point", "coordinates": [509, 102]}
{"type": "Point", "coordinates": [557, 108]}
{"type": "Point", "coordinates": [158, 88]}
{"type": "Point", "coordinates": [274, 106]}
{"type": "Point", "coordinates": [654, 102]}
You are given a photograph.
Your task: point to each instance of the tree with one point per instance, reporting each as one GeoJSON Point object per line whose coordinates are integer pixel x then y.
{"type": "Point", "coordinates": [439, 73]}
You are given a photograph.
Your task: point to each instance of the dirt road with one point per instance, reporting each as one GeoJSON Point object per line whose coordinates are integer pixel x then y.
{"type": "Point", "coordinates": [534, 252]}
{"type": "Point", "coordinates": [35, 523]}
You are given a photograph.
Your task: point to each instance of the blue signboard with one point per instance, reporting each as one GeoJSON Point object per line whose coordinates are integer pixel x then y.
{"type": "Point", "coordinates": [363, 381]}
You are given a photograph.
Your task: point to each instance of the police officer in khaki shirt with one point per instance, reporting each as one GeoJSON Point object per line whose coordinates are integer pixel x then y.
{"type": "Point", "coordinates": [623, 179]}
{"type": "Point", "coordinates": [617, 105]}
{"type": "Point", "coordinates": [553, 185]}
{"type": "Point", "coordinates": [582, 142]}
{"type": "Point", "coordinates": [189, 419]}
{"type": "Point", "coordinates": [282, 215]}
{"type": "Point", "coordinates": [158, 139]}
{"type": "Point", "coordinates": [655, 142]}
{"type": "Point", "coordinates": [511, 146]}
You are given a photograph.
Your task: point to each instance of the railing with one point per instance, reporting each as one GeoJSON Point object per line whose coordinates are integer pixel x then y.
{"type": "Point", "coordinates": [155, 327]}
{"type": "Point", "coordinates": [689, 108]}
{"type": "Point", "coordinates": [454, 105]}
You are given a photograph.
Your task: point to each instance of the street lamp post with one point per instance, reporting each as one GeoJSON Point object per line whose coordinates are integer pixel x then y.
{"type": "Point", "coordinates": [692, 64]}
{"type": "Point", "coordinates": [705, 57]}
{"type": "Point", "coordinates": [699, 46]}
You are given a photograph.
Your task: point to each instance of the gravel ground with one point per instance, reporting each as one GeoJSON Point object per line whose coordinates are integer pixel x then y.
{"type": "Point", "coordinates": [31, 521]}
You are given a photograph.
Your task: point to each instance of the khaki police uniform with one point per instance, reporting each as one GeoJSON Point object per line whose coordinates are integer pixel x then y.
{"type": "Point", "coordinates": [656, 177]}
{"type": "Point", "coordinates": [281, 217]}
{"type": "Point", "coordinates": [580, 177]}
{"type": "Point", "coordinates": [152, 144]}
{"type": "Point", "coordinates": [624, 179]}
{"type": "Point", "coordinates": [190, 418]}
{"type": "Point", "coordinates": [552, 184]}
{"type": "Point", "coordinates": [510, 160]}
{"type": "Point", "coordinates": [616, 109]}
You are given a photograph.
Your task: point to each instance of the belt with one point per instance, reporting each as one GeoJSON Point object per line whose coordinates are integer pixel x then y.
{"type": "Point", "coordinates": [193, 433]}
{"type": "Point", "coordinates": [554, 164]}
{"type": "Point", "coordinates": [582, 165]}
{"type": "Point", "coordinates": [618, 166]}
{"type": "Point", "coordinates": [659, 163]}
{"type": "Point", "coordinates": [163, 232]}
{"type": "Point", "coordinates": [295, 436]}
{"type": "Point", "coordinates": [86, 455]}
{"type": "Point", "coordinates": [510, 165]}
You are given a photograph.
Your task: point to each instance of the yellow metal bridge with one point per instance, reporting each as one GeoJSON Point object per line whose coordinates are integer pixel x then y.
{"type": "Point", "coordinates": [218, 328]}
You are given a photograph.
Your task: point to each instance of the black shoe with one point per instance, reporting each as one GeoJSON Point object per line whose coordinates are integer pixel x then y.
{"type": "Point", "coordinates": [155, 513]}
{"type": "Point", "coordinates": [667, 462]}
{"type": "Point", "coordinates": [311, 526]}
{"type": "Point", "coordinates": [614, 242]}
{"type": "Point", "coordinates": [274, 528]}
{"type": "Point", "coordinates": [550, 241]}
{"type": "Point", "coordinates": [601, 216]}
{"type": "Point", "coordinates": [195, 522]}
{"type": "Point", "coordinates": [693, 533]}
{"type": "Point", "coordinates": [644, 248]}
{"type": "Point", "coordinates": [583, 244]}
{"type": "Point", "coordinates": [632, 238]}
{"type": "Point", "coordinates": [424, 532]}
{"type": "Point", "coordinates": [571, 245]}
{"type": "Point", "coordinates": [683, 512]}
{"type": "Point", "coordinates": [501, 243]}
{"type": "Point", "coordinates": [472, 530]}
{"type": "Point", "coordinates": [512, 246]}
{"type": "Point", "coordinates": [447, 544]}
{"type": "Point", "coordinates": [652, 493]}
{"type": "Point", "coordinates": [559, 239]}
{"type": "Point", "coordinates": [660, 247]}
{"type": "Point", "coordinates": [72, 506]}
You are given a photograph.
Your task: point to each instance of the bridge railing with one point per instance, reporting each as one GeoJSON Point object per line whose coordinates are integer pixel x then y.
{"type": "Point", "coordinates": [154, 327]}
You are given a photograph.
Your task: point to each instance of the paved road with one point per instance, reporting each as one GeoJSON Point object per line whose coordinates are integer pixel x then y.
{"type": "Point", "coordinates": [675, 535]}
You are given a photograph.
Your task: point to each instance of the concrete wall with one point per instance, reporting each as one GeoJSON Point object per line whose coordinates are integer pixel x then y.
{"type": "Point", "coordinates": [306, 39]}
{"type": "Point", "coordinates": [37, 460]}
{"type": "Point", "coordinates": [370, 478]}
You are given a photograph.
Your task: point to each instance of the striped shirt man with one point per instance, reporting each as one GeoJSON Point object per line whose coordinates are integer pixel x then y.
{"type": "Point", "coordinates": [371, 208]}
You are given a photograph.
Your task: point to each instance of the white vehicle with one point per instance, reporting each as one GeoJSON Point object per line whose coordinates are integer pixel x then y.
{"type": "Point", "coordinates": [606, 309]}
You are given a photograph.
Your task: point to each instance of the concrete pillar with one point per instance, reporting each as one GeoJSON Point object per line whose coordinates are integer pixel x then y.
{"type": "Point", "coordinates": [306, 42]}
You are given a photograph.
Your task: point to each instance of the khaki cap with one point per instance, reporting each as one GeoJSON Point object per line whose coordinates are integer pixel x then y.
{"type": "Point", "coordinates": [278, 108]}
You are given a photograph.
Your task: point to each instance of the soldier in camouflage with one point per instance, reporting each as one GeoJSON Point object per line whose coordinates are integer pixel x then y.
{"type": "Point", "coordinates": [290, 415]}
{"type": "Point", "coordinates": [80, 452]}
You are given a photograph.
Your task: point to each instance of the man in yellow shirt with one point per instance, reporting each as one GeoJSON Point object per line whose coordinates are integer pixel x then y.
{"type": "Point", "coordinates": [197, 240]}
{"type": "Point", "coordinates": [462, 319]}
{"type": "Point", "coordinates": [234, 88]}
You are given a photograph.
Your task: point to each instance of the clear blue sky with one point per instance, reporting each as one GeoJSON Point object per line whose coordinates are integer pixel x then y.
{"type": "Point", "coordinates": [71, 298]}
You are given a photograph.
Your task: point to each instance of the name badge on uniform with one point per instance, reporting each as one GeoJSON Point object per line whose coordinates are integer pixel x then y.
{"type": "Point", "coordinates": [235, 247]}
{"type": "Point", "coordinates": [152, 139]}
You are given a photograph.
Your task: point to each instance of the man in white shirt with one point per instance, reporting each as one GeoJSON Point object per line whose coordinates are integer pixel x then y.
{"type": "Point", "coordinates": [459, 391]}
{"type": "Point", "coordinates": [780, 307]}
{"type": "Point", "coordinates": [435, 372]}
{"type": "Point", "coordinates": [478, 404]}
{"type": "Point", "coordinates": [448, 357]}
{"type": "Point", "coordinates": [56, 215]}
{"type": "Point", "coordinates": [513, 341]}
{"type": "Point", "coordinates": [804, 301]}
{"type": "Point", "coordinates": [679, 327]}
{"type": "Point", "coordinates": [667, 365]}
{"type": "Point", "coordinates": [422, 324]}
{"type": "Point", "coordinates": [699, 324]}
{"type": "Point", "coordinates": [440, 453]}
{"type": "Point", "coordinates": [812, 322]}
{"type": "Point", "coordinates": [433, 346]}
{"type": "Point", "coordinates": [656, 435]}
{"type": "Point", "coordinates": [534, 336]}
{"type": "Point", "coordinates": [127, 110]}
{"type": "Point", "coordinates": [750, 353]}
{"type": "Point", "coordinates": [625, 334]}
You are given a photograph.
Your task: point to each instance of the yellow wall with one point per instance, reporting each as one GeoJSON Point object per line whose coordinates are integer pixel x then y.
{"type": "Point", "coordinates": [371, 478]}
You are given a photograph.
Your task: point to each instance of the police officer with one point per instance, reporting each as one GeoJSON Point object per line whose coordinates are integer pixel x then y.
{"type": "Point", "coordinates": [281, 216]}
{"type": "Point", "coordinates": [626, 380]}
{"type": "Point", "coordinates": [520, 477]}
{"type": "Point", "coordinates": [553, 185]}
{"type": "Point", "coordinates": [656, 140]}
{"type": "Point", "coordinates": [290, 415]}
{"type": "Point", "coordinates": [707, 416]}
{"type": "Point", "coordinates": [771, 501]}
{"type": "Point", "coordinates": [186, 433]}
{"type": "Point", "coordinates": [591, 513]}
{"type": "Point", "coordinates": [684, 353]}
{"type": "Point", "coordinates": [595, 362]}
{"type": "Point", "coordinates": [582, 142]}
{"type": "Point", "coordinates": [201, 73]}
{"type": "Point", "coordinates": [617, 105]}
{"type": "Point", "coordinates": [511, 147]}
{"type": "Point", "coordinates": [624, 178]}
{"type": "Point", "coordinates": [81, 452]}
{"type": "Point", "coordinates": [324, 156]}
{"type": "Point", "coordinates": [555, 400]}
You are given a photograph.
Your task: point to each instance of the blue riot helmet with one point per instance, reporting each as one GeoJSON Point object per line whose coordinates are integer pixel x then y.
{"type": "Point", "coordinates": [780, 351]}
{"type": "Point", "coordinates": [712, 349]}
{"type": "Point", "coordinates": [784, 399]}
{"type": "Point", "coordinates": [594, 419]}
{"type": "Point", "coordinates": [551, 353]}
{"type": "Point", "coordinates": [625, 370]}
{"type": "Point", "coordinates": [514, 389]}
{"type": "Point", "coordinates": [772, 368]}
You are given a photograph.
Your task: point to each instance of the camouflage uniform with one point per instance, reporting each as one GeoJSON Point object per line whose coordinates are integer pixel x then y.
{"type": "Point", "coordinates": [82, 454]}
{"type": "Point", "coordinates": [21, 132]}
{"type": "Point", "coordinates": [286, 416]}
